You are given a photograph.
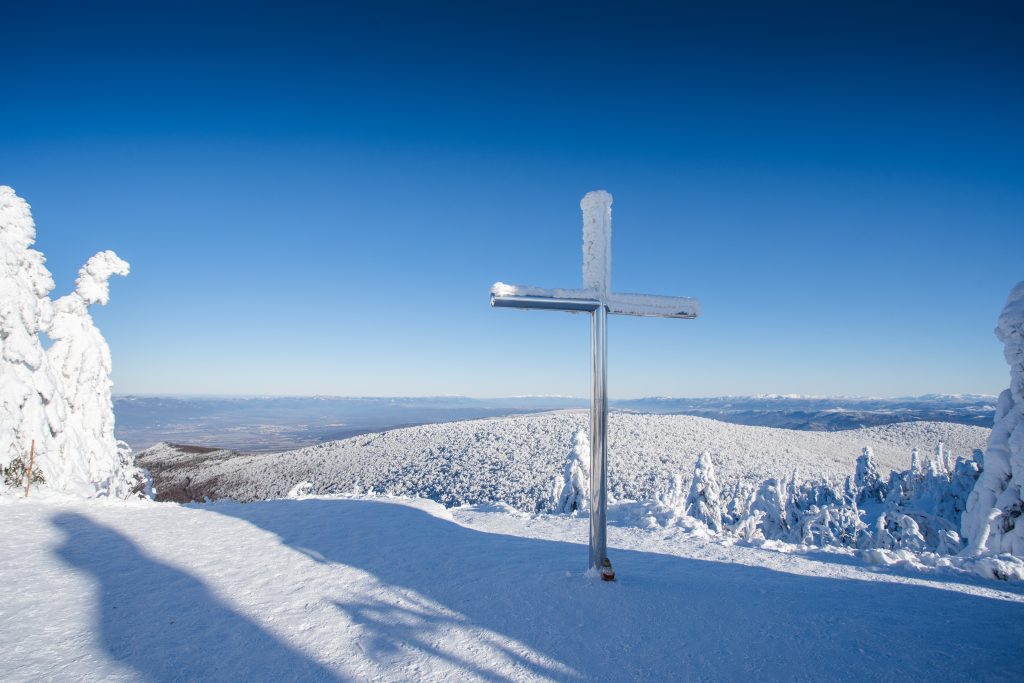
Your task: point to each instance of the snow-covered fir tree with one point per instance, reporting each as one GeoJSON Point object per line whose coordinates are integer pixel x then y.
{"type": "Point", "coordinates": [993, 520]}
{"type": "Point", "coordinates": [60, 398]}
{"type": "Point", "coordinates": [771, 504]}
{"type": "Point", "coordinates": [81, 357]}
{"type": "Point", "coordinates": [32, 408]}
{"type": "Point", "coordinates": [941, 458]}
{"type": "Point", "coordinates": [704, 502]}
{"type": "Point", "coordinates": [575, 493]}
{"type": "Point", "coordinates": [869, 483]}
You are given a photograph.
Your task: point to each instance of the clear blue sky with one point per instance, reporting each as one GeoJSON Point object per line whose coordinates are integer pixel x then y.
{"type": "Point", "coordinates": [316, 197]}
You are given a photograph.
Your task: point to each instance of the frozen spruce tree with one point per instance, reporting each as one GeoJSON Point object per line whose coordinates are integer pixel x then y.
{"type": "Point", "coordinates": [31, 405]}
{"type": "Point", "coordinates": [870, 487]}
{"type": "Point", "coordinates": [993, 521]}
{"type": "Point", "coordinates": [941, 457]}
{"type": "Point", "coordinates": [575, 494]}
{"type": "Point", "coordinates": [81, 358]}
{"type": "Point", "coordinates": [704, 503]}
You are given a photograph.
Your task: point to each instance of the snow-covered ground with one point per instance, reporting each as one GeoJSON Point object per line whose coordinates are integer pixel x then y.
{"type": "Point", "coordinates": [398, 589]}
{"type": "Point", "coordinates": [517, 460]}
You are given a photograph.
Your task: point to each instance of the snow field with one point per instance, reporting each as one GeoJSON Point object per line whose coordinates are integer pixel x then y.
{"type": "Point", "coordinates": [358, 588]}
{"type": "Point", "coordinates": [519, 460]}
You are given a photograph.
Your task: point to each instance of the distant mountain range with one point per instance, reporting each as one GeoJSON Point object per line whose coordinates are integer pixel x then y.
{"type": "Point", "coordinates": [819, 413]}
{"type": "Point", "coordinates": [260, 424]}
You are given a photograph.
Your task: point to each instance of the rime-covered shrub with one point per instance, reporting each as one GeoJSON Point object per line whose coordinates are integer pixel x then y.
{"type": "Point", "coordinates": [771, 505]}
{"type": "Point", "coordinates": [911, 511]}
{"type": "Point", "coordinates": [16, 474]}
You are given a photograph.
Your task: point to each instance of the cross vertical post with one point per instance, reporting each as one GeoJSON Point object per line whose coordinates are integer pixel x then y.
{"type": "Point", "coordinates": [597, 299]}
{"type": "Point", "coordinates": [599, 441]}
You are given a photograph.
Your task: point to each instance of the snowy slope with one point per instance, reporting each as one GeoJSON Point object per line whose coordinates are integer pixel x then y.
{"type": "Point", "coordinates": [398, 590]}
{"type": "Point", "coordinates": [515, 460]}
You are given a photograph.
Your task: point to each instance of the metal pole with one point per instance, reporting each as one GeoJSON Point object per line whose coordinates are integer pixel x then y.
{"type": "Point", "coordinates": [599, 447]}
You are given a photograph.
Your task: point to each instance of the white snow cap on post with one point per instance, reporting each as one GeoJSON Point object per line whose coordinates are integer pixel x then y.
{"type": "Point", "coordinates": [597, 241]}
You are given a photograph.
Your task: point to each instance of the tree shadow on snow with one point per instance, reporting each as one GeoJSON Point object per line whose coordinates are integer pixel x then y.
{"type": "Point", "coordinates": [667, 618]}
{"type": "Point", "coordinates": [166, 624]}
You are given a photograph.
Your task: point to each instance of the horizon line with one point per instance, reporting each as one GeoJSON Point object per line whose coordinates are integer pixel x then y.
{"type": "Point", "coordinates": [771, 396]}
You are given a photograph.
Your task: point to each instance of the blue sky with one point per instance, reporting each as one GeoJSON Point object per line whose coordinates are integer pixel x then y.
{"type": "Point", "coordinates": [315, 197]}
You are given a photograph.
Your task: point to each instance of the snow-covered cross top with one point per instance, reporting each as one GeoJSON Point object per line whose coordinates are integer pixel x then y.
{"type": "Point", "coordinates": [597, 299]}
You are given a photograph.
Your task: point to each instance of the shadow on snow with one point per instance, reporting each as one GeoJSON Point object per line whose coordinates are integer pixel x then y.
{"type": "Point", "coordinates": [166, 624]}
{"type": "Point", "coordinates": [666, 618]}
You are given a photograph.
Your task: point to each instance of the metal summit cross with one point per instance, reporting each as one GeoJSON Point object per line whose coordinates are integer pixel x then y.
{"type": "Point", "coordinates": [597, 299]}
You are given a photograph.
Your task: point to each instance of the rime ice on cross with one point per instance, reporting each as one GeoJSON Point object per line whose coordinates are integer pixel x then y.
{"type": "Point", "coordinates": [597, 299]}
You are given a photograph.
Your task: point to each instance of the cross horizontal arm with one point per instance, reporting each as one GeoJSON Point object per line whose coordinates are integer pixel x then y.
{"type": "Point", "coordinates": [652, 305]}
{"type": "Point", "coordinates": [582, 300]}
{"type": "Point", "coordinates": [546, 303]}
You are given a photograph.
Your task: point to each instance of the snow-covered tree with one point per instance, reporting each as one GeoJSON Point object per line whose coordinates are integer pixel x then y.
{"type": "Point", "coordinates": [992, 522]}
{"type": "Point", "coordinates": [737, 499]}
{"type": "Point", "coordinates": [771, 502]}
{"type": "Point", "coordinates": [869, 483]}
{"type": "Point", "coordinates": [81, 358]}
{"type": "Point", "coordinates": [674, 499]}
{"type": "Point", "coordinates": [575, 494]}
{"type": "Point", "coordinates": [59, 399]}
{"type": "Point", "coordinates": [704, 502]}
{"type": "Point", "coordinates": [941, 458]}
{"type": "Point", "coordinates": [31, 405]}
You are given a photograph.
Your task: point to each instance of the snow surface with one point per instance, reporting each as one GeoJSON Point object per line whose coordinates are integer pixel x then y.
{"type": "Point", "coordinates": [519, 460]}
{"type": "Point", "coordinates": [357, 588]}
